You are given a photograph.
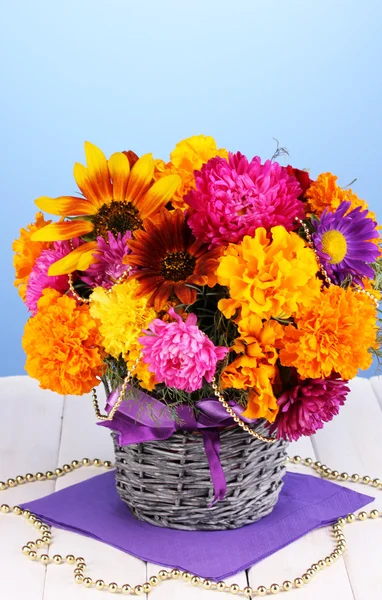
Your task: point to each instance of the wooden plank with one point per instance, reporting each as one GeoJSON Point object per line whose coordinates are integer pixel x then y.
{"type": "Point", "coordinates": [292, 561]}
{"type": "Point", "coordinates": [29, 442]}
{"type": "Point", "coordinates": [352, 443]}
{"type": "Point", "coordinates": [376, 383]}
{"type": "Point", "coordinates": [82, 438]}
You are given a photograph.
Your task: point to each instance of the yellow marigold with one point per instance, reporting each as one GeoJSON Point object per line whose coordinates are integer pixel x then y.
{"type": "Point", "coordinates": [334, 334]}
{"type": "Point", "coordinates": [123, 316]}
{"type": "Point", "coordinates": [27, 252]}
{"type": "Point", "coordinates": [63, 345]}
{"type": "Point", "coordinates": [325, 193]}
{"type": "Point", "coordinates": [268, 276]}
{"type": "Point", "coordinates": [188, 156]}
{"type": "Point", "coordinates": [255, 367]}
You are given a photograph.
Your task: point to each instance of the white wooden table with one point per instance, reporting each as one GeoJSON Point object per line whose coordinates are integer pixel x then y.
{"type": "Point", "coordinates": [40, 430]}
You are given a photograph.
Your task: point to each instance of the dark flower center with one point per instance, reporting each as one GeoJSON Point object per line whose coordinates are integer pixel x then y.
{"type": "Point", "coordinates": [117, 217]}
{"type": "Point", "coordinates": [177, 266]}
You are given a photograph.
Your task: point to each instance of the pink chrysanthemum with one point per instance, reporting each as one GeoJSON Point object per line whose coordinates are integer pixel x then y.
{"type": "Point", "coordinates": [233, 197]}
{"type": "Point", "coordinates": [179, 353]}
{"type": "Point", "coordinates": [109, 265]}
{"type": "Point", "coordinates": [306, 407]}
{"type": "Point", "coordinates": [39, 278]}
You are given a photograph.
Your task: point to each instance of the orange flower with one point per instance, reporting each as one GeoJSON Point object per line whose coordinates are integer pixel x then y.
{"type": "Point", "coordinates": [268, 277]}
{"type": "Point", "coordinates": [27, 252]}
{"type": "Point", "coordinates": [63, 345]}
{"type": "Point", "coordinates": [325, 193]}
{"type": "Point", "coordinates": [334, 334]}
{"type": "Point", "coordinates": [117, 198]}
{"type": "Point", "coordinates": [255, 368]}
{"type": "Point", "coordinates": [188, 156]}
{"type": "Point", "coordinates": [169, 261]}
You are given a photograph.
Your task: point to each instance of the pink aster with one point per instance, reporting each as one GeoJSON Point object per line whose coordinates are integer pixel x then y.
{"type": "Point", "coordinates": [39, 278]}
{"type": "Point", "coordinates": [109, 265]}
{"type": "Point", "coordinates": [306, 407]}
{"type": "Point", "coordinates": [233, 197]}
{"type": "Point", "coordinates": [179, 353]}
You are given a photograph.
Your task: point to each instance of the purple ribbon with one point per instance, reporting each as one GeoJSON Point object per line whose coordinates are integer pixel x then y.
{"type": "Point", "coordinates": [142, 418]}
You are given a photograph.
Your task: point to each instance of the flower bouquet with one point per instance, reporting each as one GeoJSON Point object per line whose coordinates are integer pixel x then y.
{"type": "Point", "coordinates": [223, 302]}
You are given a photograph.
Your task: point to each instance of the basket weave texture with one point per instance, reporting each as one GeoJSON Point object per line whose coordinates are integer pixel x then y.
{"type": "Point", "coordinates": [168, 482]}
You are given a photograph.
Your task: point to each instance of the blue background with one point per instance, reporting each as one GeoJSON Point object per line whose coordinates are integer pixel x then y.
{"type": "Point", "coordinates": [143, 75]}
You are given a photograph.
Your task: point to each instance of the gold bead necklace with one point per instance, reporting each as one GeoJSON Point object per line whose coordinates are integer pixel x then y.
{"type": "Point", "coordinates": [30, 549]}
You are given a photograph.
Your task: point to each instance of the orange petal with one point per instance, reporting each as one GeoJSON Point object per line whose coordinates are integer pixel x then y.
{"type": "Point", "coordinates": [158, 195]}
{"type": "Point", "coordinates": [66, 206]}
{"type": "Point", "coordinates": [81, 176]}
{"type": "Point", "coordinates": [79, 259]}
{"type": "Point", "coordinates": [140, 178]}
{"type": "Point", "coordinates": [98, 172]}
{"type": "Point", "coordinates": [119, 168]}
{"type": "Point", "coordinates": [65, 230]}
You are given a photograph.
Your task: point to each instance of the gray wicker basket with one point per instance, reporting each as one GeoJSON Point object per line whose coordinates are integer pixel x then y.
{"type": "Point", "coordinates": [168, 483]}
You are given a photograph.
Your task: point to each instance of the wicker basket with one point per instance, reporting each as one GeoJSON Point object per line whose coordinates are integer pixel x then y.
{"type": "Point", "coordinates": [168, 483]}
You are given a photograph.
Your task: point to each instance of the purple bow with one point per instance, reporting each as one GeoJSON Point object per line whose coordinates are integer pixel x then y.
{"type": "Point", "coordinates": [144, 419]}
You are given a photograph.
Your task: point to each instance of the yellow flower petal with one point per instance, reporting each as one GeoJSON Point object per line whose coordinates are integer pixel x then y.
{"type": "Point", "coordinates": [80, 259]}
{"type": "Point", "coordinates": [140, 178]}
{"type": "Point", "coordinates": [158, 195]}
{"type": "Point", "coordinates": [66, 206]}
{"type": "Point", "coordinates": [119, 168]}
{"type": "Point", "coordinates": [98, 172]}
{"type": "Point", "coordinates": [80, 174]}
{"type": "Point", "coordinates": [65, 230]}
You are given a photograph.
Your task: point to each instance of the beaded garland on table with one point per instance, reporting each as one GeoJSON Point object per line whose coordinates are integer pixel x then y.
{"type": "Point", "coordinates": [45, 539]}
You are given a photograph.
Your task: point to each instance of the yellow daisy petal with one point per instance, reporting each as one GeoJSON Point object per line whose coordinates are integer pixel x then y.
{"type": "Point", "coordinates": [98, 172]}
{"type": "Point", "coordinates": [119, 168]}
{"type": "Point", "coordinates": [66, 206]}
{"type": "Point", "coordinates": [80, 174]}
{"type": "Point", "coordinates": [80, 259]}
{"type": "Point", "coordinates": [140, 178]}
{"type": "Point", "coordinates": [158, 195]}
{"type": "Point", "coordinates": [65, 230]}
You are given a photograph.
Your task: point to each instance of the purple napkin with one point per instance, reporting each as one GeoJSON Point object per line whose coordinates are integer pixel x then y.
{"type": "Point", "coordinates": [93, 508]}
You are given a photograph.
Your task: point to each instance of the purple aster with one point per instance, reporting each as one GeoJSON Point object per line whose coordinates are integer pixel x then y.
{"type": "Point", "coordinates": [342, 241]}
{"type": "Point", "coordinates": [306, 407]}
{"type": "Point", "coordinates": [109, 265]}
{"type": "Point", "coordinates": [233, 197]}
{"type": "Point", "coordinates": [39, 279]}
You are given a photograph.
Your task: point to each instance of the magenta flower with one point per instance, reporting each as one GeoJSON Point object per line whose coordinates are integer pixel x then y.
{"type": "Point", "coordinates": [306, 407]}
{"type": "Point", "coordinates": [233, 197]}
{"type": "Point", "coordinates": [179, 353]}
{"type": "Point", "coordinates": [39, 278]}
{"type": "Point", "coordinates": [109, 265]}
{"type": "Point", "coordinates": [343, 243]}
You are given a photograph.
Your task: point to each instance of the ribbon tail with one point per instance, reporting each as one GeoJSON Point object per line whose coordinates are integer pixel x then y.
{"type": "Point", "coordinates": [211, 439]}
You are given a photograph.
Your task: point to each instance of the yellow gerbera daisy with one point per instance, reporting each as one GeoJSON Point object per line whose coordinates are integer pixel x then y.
{"type": "Point", "coordinates": [117, 198]}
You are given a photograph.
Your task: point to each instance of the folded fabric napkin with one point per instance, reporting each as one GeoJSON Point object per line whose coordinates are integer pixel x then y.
{"type": "Point", "coordinates": [93, 508]}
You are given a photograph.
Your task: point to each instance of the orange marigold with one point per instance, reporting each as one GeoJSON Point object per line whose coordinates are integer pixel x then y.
{"type": "Point", "coordinates": [325, 193]}
{"type": "Point", "coordinates": [334, 334]}
{"type": "Point", "coordinates": [27, 252]}
{"type": "Point", "coordinates": [255, 368]}
{"type": "Point", "coordinates": [63, 345]}
{"type": "Point", "coordinates": [268, 276]}
{"type": "Point", "coordinates": [188, 156]}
